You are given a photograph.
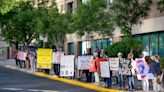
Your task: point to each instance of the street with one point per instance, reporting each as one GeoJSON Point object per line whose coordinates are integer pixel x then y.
{"type": "Point", "coordinates": [16, 81]}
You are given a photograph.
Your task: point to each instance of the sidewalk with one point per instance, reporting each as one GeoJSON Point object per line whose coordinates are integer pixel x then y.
{"type": "Point", "coordinates": [11, 64]}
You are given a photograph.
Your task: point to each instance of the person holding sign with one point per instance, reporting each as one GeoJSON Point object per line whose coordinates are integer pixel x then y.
{"type": "Point", "coordinates": [32, 58]}
{"type": "Point", "coordinates": [130, 77]}
{"type": "Point", "coordinates": [108, 80]}
{"type": "Point", "coordinates": [124, 71]}
{"type": "Point", "coordinates": [94, 67]}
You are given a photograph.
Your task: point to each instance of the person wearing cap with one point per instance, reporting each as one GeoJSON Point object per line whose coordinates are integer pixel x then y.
{"type": "Point", "coordinates": [121, 76]}
{"type": "Point", "coordinates": [131, 84]}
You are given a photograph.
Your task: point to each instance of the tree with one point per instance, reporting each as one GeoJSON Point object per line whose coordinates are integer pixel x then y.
{"type": "Point", "coordinates": [160, 5]}
{"type": "Point", "coordinates": [93, 16]}
{"type": "Point", "coordinates": [8, 5]}
{"type": "Point", "coordinates": [55, 26]}
{"type": "Point", "coordinates": [21, 25]}
{"type": "Point", "coordinates": [127, 13]}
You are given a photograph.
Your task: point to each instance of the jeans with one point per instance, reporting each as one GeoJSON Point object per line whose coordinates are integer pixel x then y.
{"type": "Point", "coordinates": [131, 82]}
{"type": "Point", "coordinates": [108, 81]}
{"type": "Point", "coordinates": [121, 77]}
{"type": "Point", "coordinates": [20, 63]}
{"type": "Point", "coordinates": [33, 65]}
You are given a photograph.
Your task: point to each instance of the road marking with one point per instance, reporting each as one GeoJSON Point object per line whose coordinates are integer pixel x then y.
{"type": "Point", "coordinates": [77, 83]}
{"type": "Point", "coordinates": [30, 90]}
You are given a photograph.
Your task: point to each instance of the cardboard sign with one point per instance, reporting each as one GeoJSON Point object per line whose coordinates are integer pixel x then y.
{"type": "Point", "coordinates": [67, 66]}
{"type": "Point", "coordinates": [114, 64]}
{"type": "Point", "coordinates": [104, 68]}
{"type": "Point", "coordinates": [84, 62]}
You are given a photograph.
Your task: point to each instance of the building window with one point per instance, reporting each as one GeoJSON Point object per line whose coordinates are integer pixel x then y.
{"type": "Point", "coordinates": [85, 46]}
{"type": "Point", "coordinates": [137, 37]}
{"type": "Point", "coordinates": [70, 7]}
{"type": "Point", "coordinates": [104, 44]}
{"type": "Point", "coordinates": [71, 48]}
{"type": "Point", "coordinates": [145, 40]}
{"type": "Point", "coordinates": [153, 44]}
{"type": "Point", "coordinates": [99, 44]}
{"type": "Point", "coordinates": [161, 44]}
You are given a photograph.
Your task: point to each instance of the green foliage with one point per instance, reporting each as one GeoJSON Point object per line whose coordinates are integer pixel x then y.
{"type": "Point", "coordinates": [55, 25]}
{"type": "Point", "coordinates": [93, 17]}
{"type": "Point", "coordinates": [7, 5]}
{"type": "Point", "coordinates": [19, 24]}
{"type": "Point", "coordinates": [162, 62]}
{"type": "Point", "coordinates": [160, 5]}
{"type": "Point", "coordinates": [127, 13]}
{"type": "Point", "coordinates": [124, 47]}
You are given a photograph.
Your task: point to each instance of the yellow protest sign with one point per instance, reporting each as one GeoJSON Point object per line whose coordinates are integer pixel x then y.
{"type": "Point", "coordinates": [44, 58]}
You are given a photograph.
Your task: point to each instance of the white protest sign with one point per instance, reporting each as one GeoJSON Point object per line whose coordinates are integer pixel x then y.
{"type": "Point", "coordinates": [104, 68]}
{"type": "Point", "coordinates": [114, 64]}
{"type": "Point", "coordinates": [56, 57]}
{"type": "Point", "coordinates": [22, 55]}
{"type": "Point", "coordinates": [143, 71]}
{"type": "Point", "coordinates": [67, 66]}
{"type": "Point", "coordinates": [84, 62]}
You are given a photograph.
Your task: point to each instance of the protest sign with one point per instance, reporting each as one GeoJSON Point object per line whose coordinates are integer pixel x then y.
{"type": "Point", "coordinates": [67, 66]}
{"type": "Point", "coordinates": [124, 67]}
{"type": "Point", "coordinates": [56, 57]}
{"type": "Point", "coordinates": [114, 64]}
{"type": "Point", "coordinates": [104, 68]}
{"type": "Point", "coordinates": [22, 55]}
{"type": "Point", "coordinates": [84, 62]}
{"type": "Point", "coordinates": [44, 58]}
{"type": "Point", "coordinates": [143, 70]}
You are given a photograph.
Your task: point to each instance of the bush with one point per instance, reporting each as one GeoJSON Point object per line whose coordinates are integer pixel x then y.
{"type": "Point", "coordinates": [162, 62]}
{"type": "Point", "coordinates": [124, 47]}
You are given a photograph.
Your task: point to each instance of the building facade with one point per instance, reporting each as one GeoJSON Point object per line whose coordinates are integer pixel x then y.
{"type": "Point", "coordinates": [151, 33]}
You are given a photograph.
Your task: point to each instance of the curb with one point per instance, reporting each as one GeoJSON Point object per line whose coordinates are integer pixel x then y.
{"type": "Point", "coordinates": [64, 80]}
{"type": "Point", "coordinates": [77, 83]}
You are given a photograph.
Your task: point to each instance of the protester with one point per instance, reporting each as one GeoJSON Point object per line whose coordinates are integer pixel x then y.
{"type": "Point", "coordinates": [19, 60]}
{"type": "Point", "coordinates": [108, 81]}
{"type": "Point", "coordinates": [16, 58]}
{"type": "Point", "coordinates": [32, 58]}
{"type": "Point", "coordinates": [158, 76]}
{"type": "Point", "coordinates": [87, 73]}
{"type": "Point", "coordinates": [131, 84]}
{"type": "Point", "coordinates": [121, 76]}
{"type": "Point", "coordinates": [27, 61]}
{"type": "Point", "coordinates": [56, 65]}
{"type": "Point", "coordinates": [96, 58]}
{"type": "Point", "coordinates": [145, 82]}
